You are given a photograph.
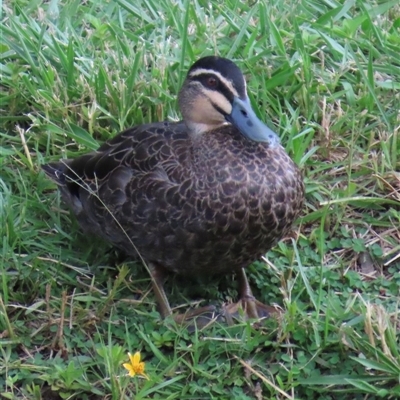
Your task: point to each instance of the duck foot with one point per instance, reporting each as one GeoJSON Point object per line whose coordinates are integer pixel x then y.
{"type": "Point", "coordinates": [248, 307]}
{"type": "Point", "coordinates": [197, 318]}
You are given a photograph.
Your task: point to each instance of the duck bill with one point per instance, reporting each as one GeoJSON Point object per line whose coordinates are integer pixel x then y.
{"type": "Point", "coordinates": [244, 118]}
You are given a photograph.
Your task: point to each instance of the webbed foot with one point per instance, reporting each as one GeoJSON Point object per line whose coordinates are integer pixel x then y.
{"type": "Point", "coordinates": [197, 318]}
{"type": "Point", "coordinates": [248, 307]}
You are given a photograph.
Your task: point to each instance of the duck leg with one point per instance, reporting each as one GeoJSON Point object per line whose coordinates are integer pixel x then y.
{"type": "Point", "coordinates": [158, 277]}
{"type": "Point", "coordinates": [252, 308]}
{"type": "Point", "coordinates": [205, 314]}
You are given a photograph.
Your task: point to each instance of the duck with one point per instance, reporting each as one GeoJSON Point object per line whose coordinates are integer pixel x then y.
{"type": "Point", "coordinates": [207, 195]}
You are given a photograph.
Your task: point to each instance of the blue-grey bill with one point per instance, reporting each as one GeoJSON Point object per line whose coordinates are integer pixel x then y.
{"type": "Point", "coordinates": [244, 118]}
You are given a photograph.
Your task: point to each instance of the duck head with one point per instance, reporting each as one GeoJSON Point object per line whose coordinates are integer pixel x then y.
{"type": "Point", "coordinates": [214, 94]}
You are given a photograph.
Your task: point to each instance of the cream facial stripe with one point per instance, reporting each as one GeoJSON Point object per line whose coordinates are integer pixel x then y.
{"type": "Point", "coordinates": [218, 99]}
{"type": "Point", "coordinates": [225, 81]}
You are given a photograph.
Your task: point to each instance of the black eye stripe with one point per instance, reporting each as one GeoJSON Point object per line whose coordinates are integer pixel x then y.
{"type": "Point", "coordinates": [219, 87]}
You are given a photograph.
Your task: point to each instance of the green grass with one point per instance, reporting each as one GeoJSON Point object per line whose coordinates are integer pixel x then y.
{"type": "Point", "coordinates": [326, 76]}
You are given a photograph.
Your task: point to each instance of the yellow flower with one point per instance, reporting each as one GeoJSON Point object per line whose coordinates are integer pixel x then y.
{"type": "Point", "coordinates": [134, 366]}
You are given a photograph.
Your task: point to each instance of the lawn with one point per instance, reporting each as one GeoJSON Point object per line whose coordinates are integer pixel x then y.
{"type": "Point", "coordinates": [326, 76]}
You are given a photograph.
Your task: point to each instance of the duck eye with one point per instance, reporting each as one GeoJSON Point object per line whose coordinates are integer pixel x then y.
{"type": "Point", "coordinates": [212, 82]}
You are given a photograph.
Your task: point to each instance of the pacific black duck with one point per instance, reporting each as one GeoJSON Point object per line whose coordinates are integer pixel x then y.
{"type": "Point", "coordinates": [206, 195]}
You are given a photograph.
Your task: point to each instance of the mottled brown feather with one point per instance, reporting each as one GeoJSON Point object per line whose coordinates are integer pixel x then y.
{"type": "Point", "coordinates": [209, 204]}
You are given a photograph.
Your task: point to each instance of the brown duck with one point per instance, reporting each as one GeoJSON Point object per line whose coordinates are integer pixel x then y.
{"type": "Point", "coordinates": [206, 195]}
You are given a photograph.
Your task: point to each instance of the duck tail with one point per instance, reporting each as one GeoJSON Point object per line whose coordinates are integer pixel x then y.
{"type": "Point", "coordinates": [56, 172]}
